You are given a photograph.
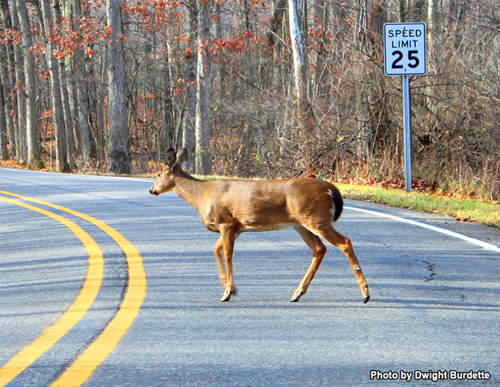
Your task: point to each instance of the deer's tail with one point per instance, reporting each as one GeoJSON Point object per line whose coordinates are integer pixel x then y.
{"type": "Point", "coordinates": [338, 203]}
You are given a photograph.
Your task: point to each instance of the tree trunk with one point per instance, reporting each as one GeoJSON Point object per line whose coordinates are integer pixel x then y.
{"type": "Point", "coordinates": [118, 148]}
{"type": "Point", "coordinates": [188, 131]}
{"type": "Point", "coordinates": [4, 153]}
{"type": "Point", "coordinates": [403, 11]}
{"type": "Point", "coordinates": [203, 159]}
{"type": "Point", "coordinates": [305, 122]}
{"type": "Point", "coordinates": [279, 8]}
{"type": "Point", "coordinates": [7, 79]}
{"type": "Point", "coordinates": [168, 137]}
{"type": "Point", "coordinates": [101, 92]}
{"type": "Point", "coordinates": [34, 159]}
{"type": "Point", "coordinates": [21, 150]}
{"type": "Point", "coordinates": [62, 164]}
{"type": "Point", "coordinates": [70, 81]}
{"type": "Point", "coordinates": [372, 116]}
{"type": "Point", "coordinates": [320, 12]}
{"type": "Point", "coordinates": [65, 84]}
{"type": "Point", "coordinates": [297, 13]}
{"type": "Point", "coordinates": [81, 87]}
{"type": "Point", "coordinates": [434, 16]}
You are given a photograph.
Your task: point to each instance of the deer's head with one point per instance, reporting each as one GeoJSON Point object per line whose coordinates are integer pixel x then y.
{"type": "Point", "coordinates": [166, 175]}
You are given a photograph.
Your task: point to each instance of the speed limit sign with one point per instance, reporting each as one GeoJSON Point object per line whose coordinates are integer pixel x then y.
{"type": "Point", "coordinates": [405, 51]}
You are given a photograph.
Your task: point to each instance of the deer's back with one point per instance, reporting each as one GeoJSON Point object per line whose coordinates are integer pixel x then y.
{"type": "Point", "coordinates": [269, 204]}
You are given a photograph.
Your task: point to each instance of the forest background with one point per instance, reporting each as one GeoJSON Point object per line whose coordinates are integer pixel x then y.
{"type": "Point", "coordinates": [268, 88]}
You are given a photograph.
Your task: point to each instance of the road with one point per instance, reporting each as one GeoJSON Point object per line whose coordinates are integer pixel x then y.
{"type": "Point", "coordinates": [435, 302]}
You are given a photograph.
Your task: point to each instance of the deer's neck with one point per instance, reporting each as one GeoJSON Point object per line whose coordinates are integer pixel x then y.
{"type": "Point", "coordinates": [189, 188]}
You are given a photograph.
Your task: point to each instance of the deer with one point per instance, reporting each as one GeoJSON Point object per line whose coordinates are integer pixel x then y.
{"type": "Point", "coordinates": [231, 207]}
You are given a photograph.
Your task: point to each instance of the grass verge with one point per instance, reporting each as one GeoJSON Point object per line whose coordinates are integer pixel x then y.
{"type": "Point", "coordinates": [466, 210]}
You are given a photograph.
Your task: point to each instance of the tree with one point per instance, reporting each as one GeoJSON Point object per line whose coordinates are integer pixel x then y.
{"type": "Point", "coordinates": [62, 164]}
{"type": "Point", "coordinates": [203, 158]}
{"type": "Point", "coordinates": [370, 86]}
{"type": "Point", "coordinates": [189, 106]}
{"type": "Point", "coordinates": [65, 83]}
{"type": "Point", "coordinates": [118, 144]}
{"type": "Point", "coordinates": [82, 109]}
{"type": "Point", "coordinates": [4, 152]}
{"type": "Point", "coordinates": [8, 129]}
{"type": "Point", "coordinates": [20, 146]}
{"type": "Point", "coordinates": [297, 11]}
{"type": "Point", "coordinates": [34, 159]}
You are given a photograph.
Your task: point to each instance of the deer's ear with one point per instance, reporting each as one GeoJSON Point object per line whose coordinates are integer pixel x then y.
{"type": "Point", "coordinates": [171, 158]}
{"type": "Point", "coordinates": [183, 157]}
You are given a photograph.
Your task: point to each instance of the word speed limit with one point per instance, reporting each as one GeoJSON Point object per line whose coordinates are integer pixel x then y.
{"type": "Point", "coordinates": [405, 49]}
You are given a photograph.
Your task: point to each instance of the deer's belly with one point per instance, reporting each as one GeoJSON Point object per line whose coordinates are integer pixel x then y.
{"type": "Point", "coordinates": [266, 227]}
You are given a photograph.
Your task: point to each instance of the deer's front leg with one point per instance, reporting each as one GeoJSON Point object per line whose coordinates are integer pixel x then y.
{"type": "Point", "coordinates": [218, 250]}
{"type": "Point", "coordinates": [228, 236]}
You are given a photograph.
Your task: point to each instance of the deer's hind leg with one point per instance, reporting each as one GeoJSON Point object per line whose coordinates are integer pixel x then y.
{"type": "Point", "coordinates": [344, 244]}
{"type": "Point", "coordinates": [319, 250]}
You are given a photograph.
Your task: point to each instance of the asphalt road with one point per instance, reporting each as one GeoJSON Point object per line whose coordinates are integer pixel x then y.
{"type": "Point", "coordinates": [435, 302]}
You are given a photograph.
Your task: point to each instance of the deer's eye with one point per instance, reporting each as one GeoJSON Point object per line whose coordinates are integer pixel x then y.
{"type": "Point", "coordinates": [159, 175]}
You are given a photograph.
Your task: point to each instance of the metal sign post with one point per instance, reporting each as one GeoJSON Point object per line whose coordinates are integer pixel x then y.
{"type": "Point", "coordinates": [405, 53]}
{"type": "Point", "coordinates": [407, 131]}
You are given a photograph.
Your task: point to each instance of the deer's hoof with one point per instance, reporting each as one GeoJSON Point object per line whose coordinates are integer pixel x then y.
{"type": "Point", "coordinates": [296, 297]}
{"type": "Point", "coordinates": [227, 295]}
{"type": "Point", "coordinates": [366, 299]}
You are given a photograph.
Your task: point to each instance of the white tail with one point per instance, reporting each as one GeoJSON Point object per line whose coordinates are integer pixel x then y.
{"type": "Point", "coordinates": [230, 207]}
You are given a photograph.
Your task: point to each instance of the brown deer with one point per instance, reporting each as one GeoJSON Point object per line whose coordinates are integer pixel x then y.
{"type": "Point", "coordinates": [230, 207]}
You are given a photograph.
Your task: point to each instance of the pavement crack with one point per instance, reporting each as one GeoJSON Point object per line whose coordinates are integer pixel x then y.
{"type": "Point", "coordinates": [433, 271]}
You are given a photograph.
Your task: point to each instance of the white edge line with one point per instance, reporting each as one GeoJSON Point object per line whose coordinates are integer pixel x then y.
{"type": "Point", "coordinates": [477, 242]}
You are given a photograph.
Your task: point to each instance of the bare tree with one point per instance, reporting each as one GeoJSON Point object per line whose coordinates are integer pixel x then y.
{"type": "Point", "coordinates": [62, 164]}
{"type": "Point", "coordinates": [297, 11]}
{"type": "Point", "coordinates": [34, 159]}
{"type": "Point", "coordinates": [118, 148]}
{"type": "Point", "coordinates": [279, 7]}
{"type": "Point", "coordinates": [297, 18]}
{"type": "Point", "coordinates": [65, 84]}
{"type": "Point", "coordinates": [81, 87]}
{"type": "Point", "coordinates": [203, 158]}
{"type": "Point", "coordinates": [20, 145]}
{"type": "Point", "coordinates": [7, 126]}
{"type": "Point", "coordinates": [189, 108]}
{"type": "Point", "coordinates": [4, 152]}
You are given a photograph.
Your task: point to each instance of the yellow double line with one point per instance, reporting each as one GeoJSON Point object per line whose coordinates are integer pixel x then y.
{"type": "Point", "coordinates": [94, 355]}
